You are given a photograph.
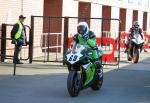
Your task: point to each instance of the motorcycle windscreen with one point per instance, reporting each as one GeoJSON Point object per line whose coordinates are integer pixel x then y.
{"type": "Point", "coordinates": [137, 39]}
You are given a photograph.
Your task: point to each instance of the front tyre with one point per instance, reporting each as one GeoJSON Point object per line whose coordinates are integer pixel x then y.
{"type": "Point", "coordinates": [135, 55]}
{"type": "Point", "coordinates": [73, 83]}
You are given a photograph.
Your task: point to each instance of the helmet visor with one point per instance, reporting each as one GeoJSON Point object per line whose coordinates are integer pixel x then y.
{"type": "Point", "coordinates": [82, 29]}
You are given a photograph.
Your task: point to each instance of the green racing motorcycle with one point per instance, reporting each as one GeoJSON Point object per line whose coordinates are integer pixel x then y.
{"type": "Point", "coordinates": [82, 70]}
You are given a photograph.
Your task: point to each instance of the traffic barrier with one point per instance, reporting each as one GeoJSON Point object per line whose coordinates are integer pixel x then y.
{"type": "Point", "coordinates": [105, 41]}
{"type": "Point", "coordinates": [111, 41]}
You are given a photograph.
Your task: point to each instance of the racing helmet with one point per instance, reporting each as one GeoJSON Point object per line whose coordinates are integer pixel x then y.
{"type": "Point", "coordinates": [82, 28]}
{"type": "Point", "coordinates": [136, 24]}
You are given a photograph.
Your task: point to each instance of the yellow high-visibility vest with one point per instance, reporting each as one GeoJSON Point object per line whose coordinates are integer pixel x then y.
{"type": "Point", "coordinates": [20, 29]}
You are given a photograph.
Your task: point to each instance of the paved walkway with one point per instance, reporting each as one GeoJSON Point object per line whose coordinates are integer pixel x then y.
{"type": "Point", "coordinates": [48, 68]}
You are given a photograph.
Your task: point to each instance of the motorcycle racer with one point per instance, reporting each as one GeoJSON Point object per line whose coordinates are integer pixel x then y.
{"type": "Point", "coordinates": [134, 29]}
{"type": "Point", "coordinates": [87, 37]}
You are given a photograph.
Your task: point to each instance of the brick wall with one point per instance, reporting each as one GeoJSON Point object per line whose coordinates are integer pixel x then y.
{"type": "Point", "coordinates": [11, 9]}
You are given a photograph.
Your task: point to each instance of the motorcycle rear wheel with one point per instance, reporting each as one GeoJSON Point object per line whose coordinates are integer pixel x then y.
{"type": "Point", "coordinates": [73, 83]}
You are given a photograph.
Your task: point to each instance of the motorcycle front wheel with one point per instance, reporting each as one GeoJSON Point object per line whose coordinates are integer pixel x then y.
{"type": "Point", "coordinates": [135, 55]}
{"type": "Point", "coordinates": [73, 83]}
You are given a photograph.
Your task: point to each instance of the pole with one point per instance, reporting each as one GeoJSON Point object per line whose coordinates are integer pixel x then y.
{"type": "Point", "coordinates": [14, 60]}
{"type": "Point", "coordinates": [65, 41]}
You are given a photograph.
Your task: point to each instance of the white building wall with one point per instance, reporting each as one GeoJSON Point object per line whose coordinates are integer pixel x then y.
{"type": "Point", "coordinates": [114, 28]}
{"type": "Point", "coordinates": [32, 8]}
{"type": "Point", "coordinates": [148, 23]}
{"type": "Point", "coordinates": [140, 5]}
{"type": "Point", "coordinates": [70, 9]}
{"type": "Point", "coordinates": [96, 12]}
{"type": "Point", "coordinates": [140, 18]}
{"type": "Point", "coordinates": [129, 14]}
{"type": "Point", "coordinates": [8, 10]}
{"type": "Point", "coordinates": [11, 9]}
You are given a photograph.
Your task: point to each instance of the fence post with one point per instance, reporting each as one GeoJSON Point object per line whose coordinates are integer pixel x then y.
{"type": "Point", "coordinates": [14, 60]}
{"type": "Point", "coordinates": [3, 43]}
{"type": "Point", "coordinates": [48, 41]}
{"type": "Point", "coordinates": [119, 32]}
{"type": "Point", "coordinates": [65, 44]}
{"type": "Point", "coordinates": [31, 37]}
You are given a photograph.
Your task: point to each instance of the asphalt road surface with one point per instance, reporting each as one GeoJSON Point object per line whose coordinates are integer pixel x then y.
{"type": "Point", "coordinates": [129, 84]}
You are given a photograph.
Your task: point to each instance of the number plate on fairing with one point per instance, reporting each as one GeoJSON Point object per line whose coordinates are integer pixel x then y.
{"type": "Point", "coordinates": [73, 57]}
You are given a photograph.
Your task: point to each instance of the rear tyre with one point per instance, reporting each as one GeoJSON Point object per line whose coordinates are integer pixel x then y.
{"type": "Point", "coordinates": [73, 83]}
{"type": "Point", "coordinates": [98, 81]}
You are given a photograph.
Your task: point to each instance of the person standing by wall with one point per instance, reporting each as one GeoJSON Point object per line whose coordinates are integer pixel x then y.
{"type": "Point", "coordinates": [18, 36]}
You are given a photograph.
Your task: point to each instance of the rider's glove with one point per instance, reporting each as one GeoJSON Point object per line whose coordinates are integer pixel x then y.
{"type": "Point", "coordinates": [27, 43]}
{"type": "Point", "coordinates": [20, 41]}
{"type": "Point", "coordinates": [13, 41]}
{"type": "Point", "coordinates": [85, 37]}
{"type": "Point", "coordinates": [95, 48]}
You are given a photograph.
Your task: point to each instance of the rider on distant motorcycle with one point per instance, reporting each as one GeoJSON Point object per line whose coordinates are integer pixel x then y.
{"type": "Point", "coordinates": [134, 29]}
{"type": "Point", "coordinates": [87, 37]}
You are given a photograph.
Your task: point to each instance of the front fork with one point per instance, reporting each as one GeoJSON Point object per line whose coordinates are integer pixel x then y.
{"type": "Point", "coordinates": [100, 72]}
{"type": "Point", "coordinates": [99, 68]}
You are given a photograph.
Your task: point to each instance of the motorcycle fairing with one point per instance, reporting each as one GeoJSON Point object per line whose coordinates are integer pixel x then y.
{"type": "Point", "coordinates": [137, 39]}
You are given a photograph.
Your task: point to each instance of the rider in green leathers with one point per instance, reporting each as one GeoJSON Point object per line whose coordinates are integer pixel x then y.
{"type": "Point", "coordinates": [87, 37]}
